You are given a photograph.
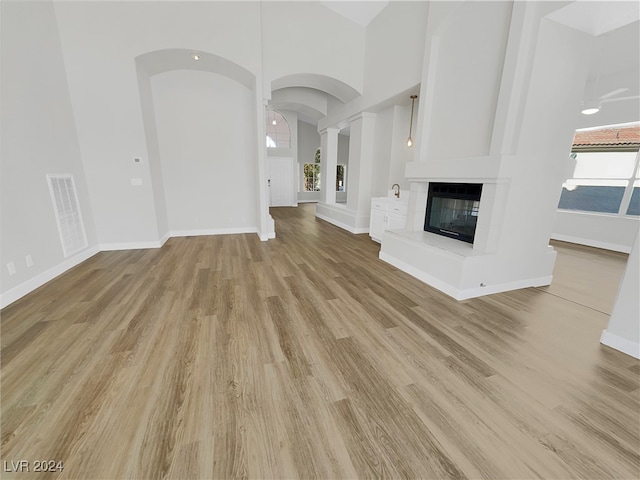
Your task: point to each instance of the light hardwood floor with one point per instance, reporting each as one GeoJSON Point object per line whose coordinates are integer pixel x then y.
{"type": "Point", "coordinates": [307, 357]}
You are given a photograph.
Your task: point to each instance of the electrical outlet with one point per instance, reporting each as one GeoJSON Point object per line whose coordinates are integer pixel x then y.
{"type": "Point", "coordinates": [12, 268]}
{"type": "Point", "coordinates": [137, 160]}
{"type": "Point", "coordinates": [136, 182]}
{"type": "Point", "coordinates": [29, 260]}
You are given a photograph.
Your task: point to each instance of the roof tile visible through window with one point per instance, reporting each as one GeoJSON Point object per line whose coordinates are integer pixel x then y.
{"type": "Point", "coordinates": [610, 139]}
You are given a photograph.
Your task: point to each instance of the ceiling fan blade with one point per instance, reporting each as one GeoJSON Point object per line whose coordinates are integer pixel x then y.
{"type": "Point", "coordinates": [619, 99]}
{"type": "Point", "coordinates": [613, 93]}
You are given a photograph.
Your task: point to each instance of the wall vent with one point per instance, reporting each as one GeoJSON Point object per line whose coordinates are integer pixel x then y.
{"type": "Point", "coordinates": [68, 216]}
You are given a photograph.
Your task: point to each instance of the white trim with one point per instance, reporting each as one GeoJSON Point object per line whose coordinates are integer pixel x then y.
{"type": "Point", "coordinates": [342, 225]}
{"type": "Point", "coordinates": [592, 243]}
{"type": "Point", "coordinates": [467, 293]}
{"type": "Point", "coordinates": [620, 343]}
{"type": "Point", "coordinates": [212, 231]}
{"type": "Point", "coordinates": [30, 285]}
{"type": "Point", "coordinates": [164, 238]}
{"type": "Point", "coordinates": [420, 275]}
{"type": "Point", "coordinates": [506, 287]}
{"type": "Point", "coordinates": [109, 247]}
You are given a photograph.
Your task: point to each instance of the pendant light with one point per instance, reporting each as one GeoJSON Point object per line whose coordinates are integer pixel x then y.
{"type": "Point", "coordinates": [410, 140]}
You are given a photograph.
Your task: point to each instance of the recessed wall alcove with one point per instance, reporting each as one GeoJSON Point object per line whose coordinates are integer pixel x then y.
{"type": "Point", "coordinates": [199, 111]}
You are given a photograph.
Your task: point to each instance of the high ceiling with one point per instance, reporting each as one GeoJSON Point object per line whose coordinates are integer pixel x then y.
{"type": "Point", "coordinates": [597, 18]}
{"type": "Point", "coordinates": [360, 12]}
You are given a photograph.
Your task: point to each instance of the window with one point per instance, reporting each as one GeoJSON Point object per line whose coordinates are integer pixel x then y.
{"type": "Point", "coordinates": [278, 133]}
{"type": "Point", "coordinates": [634, 203]}
{"type": "Point", "coordinates": [311, 172]}
{"type": "Point", "coordinates": [341, 177]}
{"type": "Point", "coordinates": [603, 182]}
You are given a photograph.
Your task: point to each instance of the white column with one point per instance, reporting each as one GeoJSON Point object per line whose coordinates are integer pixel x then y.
{"type": "Point", "coordinates": [262, 95]}
{"type": "Point", "coordinates": [266, 224]}
{"type": "Point", "coordinates": [623, 331]}
{"type": "Point", "coordinates": [359, 171]}
{"type": "Point", "coordinates": [328, 165]}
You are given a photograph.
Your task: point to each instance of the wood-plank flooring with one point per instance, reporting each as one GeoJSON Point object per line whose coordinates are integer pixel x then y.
{"type": "Point", "coordinates": [307, 357]}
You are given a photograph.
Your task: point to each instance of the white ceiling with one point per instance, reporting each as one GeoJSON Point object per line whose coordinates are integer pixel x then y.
{"type": "Point", "coordinates": [615, 59]}
{"type": "Point", "coordinates": [360, 12]}
{"type": "Point", "coordinates": [597, 17]}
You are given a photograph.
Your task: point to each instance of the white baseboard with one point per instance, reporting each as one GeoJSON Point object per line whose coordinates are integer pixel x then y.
{"type": "Point", "coordinates": [467, 293]}
{"type": "Point", "coordinates": [342, 225]}
{"type": "Point", "coordinates": [269, 236]}
{"type": "Point", "coordinates": [30, 285]}
{"type": "Point", "coordinates": [620, 343]}
{"type": "Point", "coordinates": [592, 243]}
{"type": "Point", "coordinates": [164, 239]}
{"type": "Point", "coordinates": [212, 231]}
{"type": "Point", "coordinates": [109, 247]}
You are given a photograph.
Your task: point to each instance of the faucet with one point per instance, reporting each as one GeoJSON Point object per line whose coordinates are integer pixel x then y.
{"type": "Point", "coordinates": [397, 192]}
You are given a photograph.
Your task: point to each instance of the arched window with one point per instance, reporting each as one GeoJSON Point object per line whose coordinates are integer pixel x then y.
{"type": "Point", "coordinates": [278, 133]}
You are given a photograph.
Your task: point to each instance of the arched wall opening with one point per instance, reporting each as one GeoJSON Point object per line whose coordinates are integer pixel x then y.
{"type": "Point", "coordinates": [200, 126]}
{"type": "Point", "coordinates": [310, 96]}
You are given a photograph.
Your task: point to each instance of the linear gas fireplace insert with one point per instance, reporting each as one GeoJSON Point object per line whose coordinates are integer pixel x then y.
{"type": "Point", "coordinates": [452, 210]}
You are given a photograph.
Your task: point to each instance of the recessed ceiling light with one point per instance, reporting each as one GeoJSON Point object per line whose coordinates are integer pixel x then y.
{"type": "Point", "coordinates": [195, 56]}
{"type": "Point", "coordinates": [274, 122]}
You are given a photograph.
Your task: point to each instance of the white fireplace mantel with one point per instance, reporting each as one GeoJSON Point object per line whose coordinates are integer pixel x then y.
{"type": "Point", "coordinates": [456, 268]}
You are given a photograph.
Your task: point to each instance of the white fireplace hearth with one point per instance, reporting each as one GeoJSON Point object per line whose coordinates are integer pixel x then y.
{"type": "Point", "coordinates": [459, 269]}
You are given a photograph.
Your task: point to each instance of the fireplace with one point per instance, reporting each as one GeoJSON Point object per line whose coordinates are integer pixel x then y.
{"type": "Point", "coordinates": [452, 210]}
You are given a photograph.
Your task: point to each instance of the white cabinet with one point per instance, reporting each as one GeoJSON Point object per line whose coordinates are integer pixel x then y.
{"type": "Point", "coordinates": [386, 213]}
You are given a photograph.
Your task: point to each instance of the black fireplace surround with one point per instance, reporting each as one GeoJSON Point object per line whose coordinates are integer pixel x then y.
{"type": "Point", "coordinates": [452, 210]}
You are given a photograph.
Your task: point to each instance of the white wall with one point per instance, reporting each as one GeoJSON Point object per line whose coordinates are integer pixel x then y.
{"type": "Point", "coordinates": [153, 152]}
{"type": "Point", "coordinates": [382, 154]}
{"type": "Point", "coordinates": [309, 38]}
{"type": "Point", "coordinates": [38, 137]}
{"type": "Point", "coordinates": [611, 232]}
{"type": "Point", "coordinates": [394, 49]}
{"type": "Point", "coordinates": [535, 172]}
{"type": "Point", "coordinates": [393, 59]}
{"type": "Point", "coordinates": [208, 166]}
{"type": "Point", "coordinates": [401, 154]}
{"type": "Point", "coordinates": [100, 41]}
{"type": "Point", "coordinates": [343, 149]}
{"type": "Point", "coordinates": [468, 71]}
{"type": "Point", "coordinates": [391, 153]}
{"type": "Point", "coordinates": [623, 331]}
